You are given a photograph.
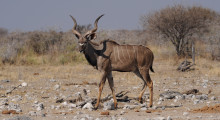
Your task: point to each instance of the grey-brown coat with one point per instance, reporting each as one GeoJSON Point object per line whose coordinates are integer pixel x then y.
{"type": "Point", "coordinates": [108, 56]}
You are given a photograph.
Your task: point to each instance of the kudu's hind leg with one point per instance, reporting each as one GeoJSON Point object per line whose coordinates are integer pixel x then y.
{"type": "Point", "coordinates": [145, 74]}
{"type": "Point", "coordinates": [101, 84]}
{"type": "Point", "coordinates": [144, 86]}
{"type": "Point", "coordinates": [111, 85]}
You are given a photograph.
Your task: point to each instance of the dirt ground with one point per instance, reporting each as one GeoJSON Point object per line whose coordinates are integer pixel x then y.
{"type": "Point", "coordinates": [47, 84]}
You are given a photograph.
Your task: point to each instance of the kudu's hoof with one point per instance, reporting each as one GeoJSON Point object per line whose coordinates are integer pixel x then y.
{"type": "Point", "coordinates": [141, 100]}
{"type": "Point", "coordinates": [95, 108]}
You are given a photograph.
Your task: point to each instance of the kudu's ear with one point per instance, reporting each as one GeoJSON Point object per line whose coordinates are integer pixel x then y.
{"type": "Point", "coordinates": [77, 36]}
{"type": "Point", "coordinates": [91, 36]}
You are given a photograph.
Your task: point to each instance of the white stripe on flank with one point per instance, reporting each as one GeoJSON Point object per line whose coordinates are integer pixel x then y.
{"type": "Point", "coordinates": [119, 55]}
{"type": "Point", "coordinates": [114, 53]}
{"type": "Point", "coordinates": [134, 51]}
{"type": "Point", "coordinates": [128, 52]}
{"type": "Point", "coordinates": [122, 50]}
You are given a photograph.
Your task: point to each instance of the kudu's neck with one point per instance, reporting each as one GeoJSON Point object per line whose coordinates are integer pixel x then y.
{"type": "Point", "coordinates": [91, 53]}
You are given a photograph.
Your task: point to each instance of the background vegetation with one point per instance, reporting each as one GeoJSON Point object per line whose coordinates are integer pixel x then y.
{"type": "Point", "coordinates": [168, 32]}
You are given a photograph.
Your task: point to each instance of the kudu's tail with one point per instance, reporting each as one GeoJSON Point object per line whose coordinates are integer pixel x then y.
{"type": "Point", "coordinates": [151, 69]}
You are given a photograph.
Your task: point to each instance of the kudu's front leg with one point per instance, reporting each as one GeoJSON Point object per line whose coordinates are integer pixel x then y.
{"type": "Point", "coordinates": [101, 84]}
{"type": "Point", "coordinates": [111, 85]}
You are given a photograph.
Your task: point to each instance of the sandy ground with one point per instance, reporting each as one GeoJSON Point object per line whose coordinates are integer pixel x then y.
{"type": "Point", "coordinates": [71, 79]}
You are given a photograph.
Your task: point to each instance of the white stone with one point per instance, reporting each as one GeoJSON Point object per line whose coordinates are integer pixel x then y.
{"type": "Point", "coordinates": [24, 84]}
{"type": "Point", "coordinates": [160, 118]}
{"type": "Point", "coordinates": [88, 106]}
{"type": "Point", "coordinates": [175, 100]}
{"type": "Point", "coordinates": [52, 107]}
{"type": "Point", "coordinates": [169, 118]}
{"type": "Point", "coordinates": [143, 108]}
{"type": "Point", "coordinates": [185, 113]}
{"type": "Point", "coordinates": [52, 80]}
{"type": "Point", "coordinates": [196, 101]}
{"type": "Point", "coordinates": [161, 99]}
{"type": "Point", "coordinates": [65, 103]}
{"type": "Point", "coordinates": [56, 87]}
{"type": "Point", "coordinates": [122, 113]}
{"type": "Point", "coordinates": [159, 102]}
{"type": "Point", "coordinates": [72, 105]}
{"type": "Point", "coordinates": [109, 105]}
{"type": "Point", "coordinates": [40, 107]}
{"type": "Point", "coordinates": [213, 98]}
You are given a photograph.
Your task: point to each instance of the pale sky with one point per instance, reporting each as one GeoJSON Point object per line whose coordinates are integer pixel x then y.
{"type": "Point", "coordinates": [29, 15]}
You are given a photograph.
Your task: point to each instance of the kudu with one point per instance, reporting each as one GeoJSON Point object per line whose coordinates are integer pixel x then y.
{"type": "Point", "coordinates": [108, 56]}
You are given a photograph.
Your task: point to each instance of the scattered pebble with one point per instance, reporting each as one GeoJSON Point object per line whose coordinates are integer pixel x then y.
{"type": "Point", "coordinates": [56, 87]}
{"type": "Point", "coordinates": [185, 113]}
{"type": "Point", "coordinates": [24, 84]}
{"type": "Point", "coordinates": [5, 81]}
{"type": "Point", "coordinates": [109, 105]}
{"type": "Point", "coordinates": [169, 118]}
{"type": "Point", "coordinates": [213, 98]}
{"type": "Point", "coordinates": [88, 106]}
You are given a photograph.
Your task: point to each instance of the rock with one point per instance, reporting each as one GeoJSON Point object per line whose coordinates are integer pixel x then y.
{"type": "Point", "coordinates": [65, 103]}
{"type": "Point", "coordinates": [52, 107]}
{"type": "Point", "coordinates": [56, 87]}
{"type": "Point", "coordinates": [190, 96]}
{"type": "Point", "coordinates": [143, 108]}
{"type": "Point", "coordinates": [122, 113]}
{"type": "Point", "coordinates": [52, 80]}
{"type": "Point", "coordinates": [3, 101]}
{"type": "Point", "coordinates": [109, 105]}
{"type": "Point", "coordinates": [154, 107]}
{"type": "Point", "coordinates": [121, 118]}
{"type": "Point", "coordinates": [143, 105]}
{"type": "Point", "coordinates": [78, 96]}
{"type": "Point", "coordinates": [169, 118]}
{"type": "Point", "coordinates": [161, 99]}
{"type": "Point", "coordinates": [160, 118]}
{"type": "Point", "coordinates": [130, 107]}
{"type": "Point", "coordinates": [175, 100]}
{"type": "Point", "coordinates": [72, 105]}
{"type": "Point", "coordinates": [196, 101]}
{"type": "Point", "coordinates": [40, 106]}
{"type": "Point", "coordinates": [19, 118]}
{"type": "Point", "coordinates": [84, 91]}
{"type": "Point", "coordinates": [202, 97]}
{"type": "Point", "coordinates": [170, 94]}
{"type": "Point", "coordinates": [185, 113]}
{"type": "Point", "coordinates": [24, 84]}
{"type": "Point", "coordinates": [5, 81]}
{"type": "Point", "coordinates": [16, 98]}
{"type": "Point", "coordinates": [60, 100]}
{"type": "Point", "coordinates": [79, 112]}
{"type": "Point", "coordinates": [159, 102]}
{"type": "Point", "coordinates": [43, 115]}
{"type": "Point", "coordinates": [163, 108]}
{"type": "Point", "coordinates": [15, 107]}
{"type": "Point", "coordinates": [213, 98]}
{"type": "Point", "coordinates": [192, 91]}
{"type": "Point", "coordinates": [113, 117]}
{"type": "Point", "coordinates": [88, 106]}
{"type": "Point", "coordinates": [33, 113]}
